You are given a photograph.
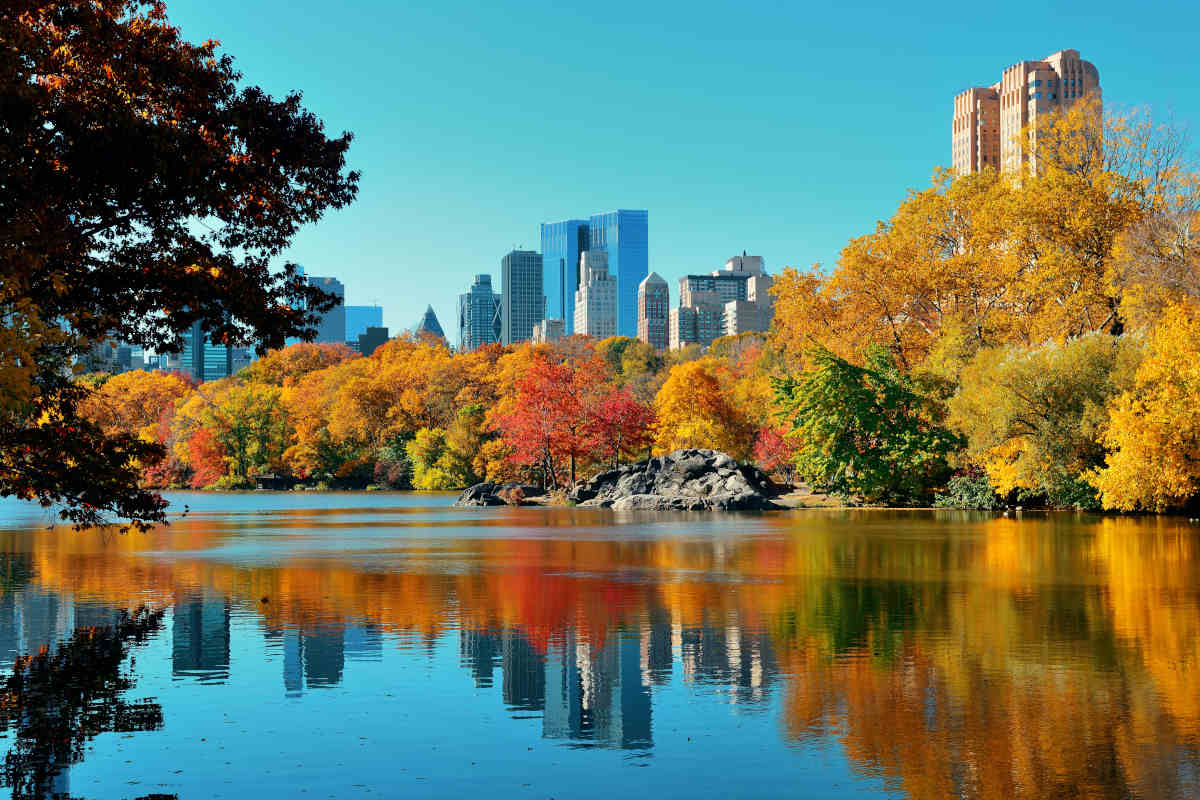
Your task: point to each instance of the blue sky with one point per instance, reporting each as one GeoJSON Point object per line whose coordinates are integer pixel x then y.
{"type": "Point", "coordinates": [770, 127]}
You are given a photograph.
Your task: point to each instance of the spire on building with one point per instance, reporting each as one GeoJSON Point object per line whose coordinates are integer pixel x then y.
{"type": "Point", "coordinates": [429, 324]}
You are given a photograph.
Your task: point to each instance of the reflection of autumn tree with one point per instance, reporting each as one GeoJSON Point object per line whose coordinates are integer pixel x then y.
{"type": "Point", "coordinates": [56, 703]}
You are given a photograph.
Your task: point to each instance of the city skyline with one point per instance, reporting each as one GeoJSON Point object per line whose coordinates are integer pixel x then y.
{"type": "Point", "coordinates": [768, 153]}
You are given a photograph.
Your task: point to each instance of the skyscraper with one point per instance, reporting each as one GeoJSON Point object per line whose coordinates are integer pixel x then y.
{"type": "Point", "coordinates": [359, 318]}
{"type": "Point", "coordinates": [596, 297]}
{"type": "Point", "coordinates": [624, 236]}
{"type": "Point", "coordinates": [333, 321]}
{"type": "Point", "coordinates": [428, 324]}
{"type": "Point", "coordinates": [522, 303]}
{"type": "Point", "coordinates": [478, 315]}
{"type": "Point", "coordinates": [562, 242]}
{"type": "Point", "coordinates": [987, 127]}
{"type": "Point", "coordinates": [654, 300]}
{"type": "Point", "coordinates": [724, 302]}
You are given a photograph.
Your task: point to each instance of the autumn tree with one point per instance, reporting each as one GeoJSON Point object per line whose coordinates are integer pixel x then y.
{"type": "Point", "coordinates": [1153, 433]}
{"type": "Point", "coordinates": [134, 402]}
{"type": "Point", "coordinates": [550, 425]}
{"type": "Point", "coordinates": [695, 408]}
{"type": "Point", "coordinates": [145, 189]}
{"type": "Point", "coordinates": [1033, 417]}
{"type": "Point", "coordinates": [621, 426]}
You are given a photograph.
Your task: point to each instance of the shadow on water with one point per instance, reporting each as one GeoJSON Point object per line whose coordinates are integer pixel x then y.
{"type": "Point", "coordinates": [55, 703]}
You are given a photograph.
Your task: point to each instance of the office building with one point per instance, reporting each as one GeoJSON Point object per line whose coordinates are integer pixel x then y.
{"type": "Point", "coordinates": [522, 303]}
{"type": "Point", "coordinates": [478, 315]}
{"type": "Point", "coordinates": [623, 235]}
{"type": "Point", "coordinates": [371, 340]}
{"type": "Point", "coordinates": [428, 325]}
{"type": "Point", "coordinates": [549, 330]}
{"type": "Point", "coordinates": [653, 304]}
{"type": "Point", "coordinates": [359, 318]}
{"type": "Point", "coordinates": [562, 242]}
{"type": "Point", "coordinates": [988, 125]}
{"type": "Point", "coordinates": [332, 327]}
{"type": "Point", "coordinates": [596, 299]}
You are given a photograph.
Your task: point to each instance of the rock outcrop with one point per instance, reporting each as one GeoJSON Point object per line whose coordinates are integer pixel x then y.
{"type": "Point", "coordinates": [497, 494]}
{"type": "Point", "coordinates": [685, 480]}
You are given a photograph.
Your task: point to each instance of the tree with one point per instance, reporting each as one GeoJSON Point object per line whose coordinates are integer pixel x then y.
{"type": "Point", "coordinates": [134, 402]}
{"type": "Point", "coordinates": [621, 426]}
{"type": "Point", "coordinates": [551, 418]}
{"type": "Point", "coordinates": [865, 431]}
{"type": "Point", "coordinates": [1153, 433]}
{"type": "Point", "coordinates": [776, 452]}
{"type": "Point", "coordinates": [144, 191]}
{"type": "Point", "coordinates": [695, 409]}
{"type": "Point", "coordinates": [1033, 417]}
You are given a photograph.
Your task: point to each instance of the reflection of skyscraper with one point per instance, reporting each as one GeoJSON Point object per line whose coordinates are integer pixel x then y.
{"type": "Point", "coordinates": [324, 658]}
{"type": "Point", "coordinates": [598, 694]}
{"type": "Point", "coordinates": [44, 619]}
{"type": "Point", "coordinates": [524, 673]}
{"type": "Point", "coordinates": [730, 655]}
{"type": "Point", "coordinates": [363, 642]}
{"type": "Point", "coordinates": [200, 639]}
{"type": "Point", "coordinates": [293, 664]}
{"type": "Point", "coordinates": [478, 650]}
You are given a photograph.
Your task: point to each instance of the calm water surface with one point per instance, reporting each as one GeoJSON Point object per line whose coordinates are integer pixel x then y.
{"type": "Point", "coordinates": [388, 645]}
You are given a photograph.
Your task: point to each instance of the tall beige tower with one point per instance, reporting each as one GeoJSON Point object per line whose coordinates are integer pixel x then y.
{"type": "Point", "coordinates": [988, 121]}
{"type": "Point", "coordinates": [653, 305]}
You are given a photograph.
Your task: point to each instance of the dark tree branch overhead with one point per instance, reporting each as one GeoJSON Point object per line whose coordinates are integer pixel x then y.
{"type": "Point", "coordinates": [142, 190]}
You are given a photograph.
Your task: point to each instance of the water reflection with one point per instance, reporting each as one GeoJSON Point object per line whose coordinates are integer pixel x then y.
{"type": "Point", "coordinates": [949, 655]}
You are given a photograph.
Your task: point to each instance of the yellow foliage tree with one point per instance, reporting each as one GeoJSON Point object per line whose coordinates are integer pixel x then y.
{"type": "Point", "coordinates": [695, 409]}
{"type": "Point", "coordinates": [1154, 428]}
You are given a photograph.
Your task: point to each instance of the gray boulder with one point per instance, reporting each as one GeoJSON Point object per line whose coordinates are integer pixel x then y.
{"type": "Point", "coordinates": [685, 480]}
{"type": "Point", "coordinates": [479, 495]}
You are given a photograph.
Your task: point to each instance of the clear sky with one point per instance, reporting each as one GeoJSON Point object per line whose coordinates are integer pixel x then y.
{"type": "Point", "coordinates": [778, 128]}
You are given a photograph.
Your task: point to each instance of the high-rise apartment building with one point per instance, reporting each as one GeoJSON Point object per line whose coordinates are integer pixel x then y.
{"type": "Point", "coordinates": [562, 242]}
{"type": "Point", "coordinates": [989, 124]}
{"type": "Point", "coordinates": [596, 299]}
{"type": "Point", "coordinates": [478, 315]}
{"type": "Point", "coordinates": [359, 318]}
{"type": "Point", "coordinates": [654, 302]}
{"type": "Point", "coordinates": [623, 235]}
{"type": "Point", "coordinates": [522, 303]}
{"type": "Point", "coordinates": [333, 321]}
{"type": "Point", "coordinates": [725, 302]}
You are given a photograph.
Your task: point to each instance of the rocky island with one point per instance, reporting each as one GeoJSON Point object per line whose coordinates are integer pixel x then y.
{"type": "Point", "coordinates": [684, 480]}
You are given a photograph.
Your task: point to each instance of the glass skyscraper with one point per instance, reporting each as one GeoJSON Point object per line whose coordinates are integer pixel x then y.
{"type": "Point", "coordinates": [625, 236]}
{"type": "Point", "coordinates": [333, 321]}
{"type": "Point", "coordinates": [562, 242]}
{"type": "Point", "coordinates": [522, 303]}
{"type": "Point", "coordinates": [478, 315]}
{"type": "Point", "coordinates": [359, 318]}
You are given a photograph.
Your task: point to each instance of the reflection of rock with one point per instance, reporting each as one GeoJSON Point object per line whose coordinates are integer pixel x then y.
{"type": "Point", "coordinates": [685, 480]}
{"type": "Point", "coordinates": [497, 494]}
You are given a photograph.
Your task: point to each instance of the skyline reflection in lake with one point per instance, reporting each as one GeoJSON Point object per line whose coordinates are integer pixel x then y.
{"type": "Point", "coordinates": [349, 644]}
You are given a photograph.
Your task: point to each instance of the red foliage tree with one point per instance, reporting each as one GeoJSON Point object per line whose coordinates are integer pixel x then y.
{"type": "Point", "coordinates": [552, 418]}
{"type": "Point", "coordinates": [621, 426]}
{"type": "Point", "coordinates": [206, 457]}
{"type": "Point", "coordinates": [776, 453]}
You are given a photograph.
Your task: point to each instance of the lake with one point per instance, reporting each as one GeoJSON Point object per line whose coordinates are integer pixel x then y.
{"type": "Point", "coordinates": [366, 645]}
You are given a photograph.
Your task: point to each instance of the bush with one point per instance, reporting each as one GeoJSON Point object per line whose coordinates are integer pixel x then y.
{"type": "Point", "coordinates": [970, 490]}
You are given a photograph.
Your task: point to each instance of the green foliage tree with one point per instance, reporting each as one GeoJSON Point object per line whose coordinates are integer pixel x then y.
{"type": "Point", "coordinates": [865, 431]}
